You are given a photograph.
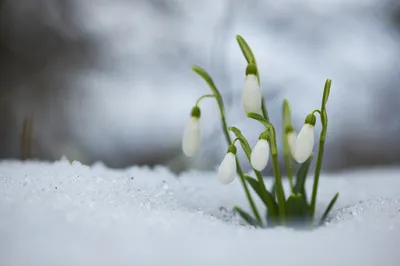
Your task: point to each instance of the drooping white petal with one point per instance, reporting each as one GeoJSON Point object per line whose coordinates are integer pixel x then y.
{"type": "Point", "coordinates": [260, 155]}
{"type": "Point", "coordinates": [252, 95]}
{"type": "Point", "coordinates": [227, 169]}
{"type": "Point", "coordinates": [191, 137]}
{"type": "Point", "coordinates": [304, 143]}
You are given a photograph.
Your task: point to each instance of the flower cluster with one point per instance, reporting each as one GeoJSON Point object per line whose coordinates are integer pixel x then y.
{"type": "Point", "coordinates": [301, 145]}
{"type": "Point", "coordinates": [280, 210]}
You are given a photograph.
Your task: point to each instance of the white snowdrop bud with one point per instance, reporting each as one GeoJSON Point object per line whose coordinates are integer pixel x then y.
{"type": "Point", "coordinates": [260, 153]}
{"type": "Point", "coordinates": [192, 133]}
{"type": "Point", "coordinates": [227, 168]}
{"type": "Point", "coordinates": [303, 145]}
{"type": "Point", "coordinates": [251, 95]}
{"type": "Point", "coordinates": [291, 139]}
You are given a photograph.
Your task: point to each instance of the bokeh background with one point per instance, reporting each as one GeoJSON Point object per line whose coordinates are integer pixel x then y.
{"type": "Point", "coordinates": [110, 81]}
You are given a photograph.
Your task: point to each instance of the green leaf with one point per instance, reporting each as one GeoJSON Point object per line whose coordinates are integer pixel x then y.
{"type": "Point", "coordinates": [287, 121]}
{"type": "Point", "coordinates": [245, 144]}
{"type": "Point", "coordinates": [327, 90]}
{"type": "Point", "coordinates": [258, 187]}
{"type": "Point", "coordinates": [203, 74]}
{"type": "Point", "coordinates": [329, 208]}
{"type": "Point", "coordinates": [297, 209]}
{"type": "Point", "coordinates": [301, 178]}
{"type": "Point", "coordinates": [247, 217]}
{"type": "Point", "coordinates": [248, 54]}
{"type": "Point", "coordinates": [273, 189]}
{"type": "Point", "coordinates": [260, 119]}
{"type": "Point", "coordinates": [264, 109]}
{"type": "Point", "coordinates": [264, 195]}
{"type": "Point", "coordinates": [274, 151]}
{"type": "Point", "coordinates": [286, 113]}
{"type": "Point", "coordinates": [254, 184]}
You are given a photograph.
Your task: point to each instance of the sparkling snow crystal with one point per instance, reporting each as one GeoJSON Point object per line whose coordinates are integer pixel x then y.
{"type": "Point", "coordinates": [70, 214]}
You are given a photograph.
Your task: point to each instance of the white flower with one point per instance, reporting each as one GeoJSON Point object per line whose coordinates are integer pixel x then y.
{"type": "Point", "coordinates": [301, 146]}
{"type": "Point", "coordinates": [260, 155]}
{"type": "Point", "coordinates": [191, 136]}
{"type": "Point", "coordinates": [227, 169]}
{"type": "Point", "coordinates": [252, 95]}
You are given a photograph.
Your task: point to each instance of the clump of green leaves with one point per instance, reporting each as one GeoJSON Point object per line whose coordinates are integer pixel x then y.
{"type": "Point", "coordinates": [295, 209]}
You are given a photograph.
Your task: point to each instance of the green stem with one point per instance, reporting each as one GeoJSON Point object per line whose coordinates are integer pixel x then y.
{"type": "Point", "coordinates": [239, 169]}
{"type": "Point", "coordinates": [286, 156]}
{"type": "Point", "coordinates": [204, 96]}
{"type": "Point", "coordinates": [317, 172]}
{"type": "Point", "coordinates": [264, 109]}
{"type": "Point", "coordinates": [278, 179]}
{"type": "Point", "coordinates": [324, 123]}
{"type": "Point", "coordinates": [247, 191]}
{"type": "Point", "coordinates": [316, 111]}
{"type": "Point", "coordinates": [202, 73]}
{"type": "Point", "coordinates": [287, 122]}
{"type": "Point", "coordinates": [265, 191]}
{"type": "Point", "coordinates": [274, 151]}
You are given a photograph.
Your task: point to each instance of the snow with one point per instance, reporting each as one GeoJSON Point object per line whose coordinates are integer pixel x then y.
{"type": "Point", "coordinates": [72, 214]}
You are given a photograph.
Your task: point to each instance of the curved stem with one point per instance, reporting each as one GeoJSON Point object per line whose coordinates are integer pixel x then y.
{"type": "Point", "coordinates": [204, 96]}
{"type": "Point", "coordinates": [316, 111]}
{"type": "Point", "coordinates": [237, 139]}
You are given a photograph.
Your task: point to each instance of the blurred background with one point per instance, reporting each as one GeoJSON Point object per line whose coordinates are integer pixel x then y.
{"type": "Point", "coordinates": [110, 81]}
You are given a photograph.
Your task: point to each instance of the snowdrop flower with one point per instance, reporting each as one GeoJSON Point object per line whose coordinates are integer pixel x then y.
{"type": "Point", "coordinates": [192, 133]}
{"type": "Point", "coordinates": [260, 153]}
{"type": "Point", "coordinates": [227, 168]}
{"type": "Point", "coordinates": [301, 146]}
{"type": "Point", "coordinates": [251, 95]}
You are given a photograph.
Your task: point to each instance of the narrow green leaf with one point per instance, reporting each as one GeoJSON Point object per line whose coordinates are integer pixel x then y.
{"type": "Point", "coordinates": [327, 90]}
{"type": "Point", "coordinates": [254, 184]}
{"type": "Point", "coordinates": [248, 54]}
{"type": "Point", "coordinates": [258, 186]}
{"type": "Point", "coordinates": [301, 177]}
{"type": "Point", "coordinates": [207, 78]}
{"type": "Point", "coordinates": [247, 217]}
{"type": "Point", "coordinates": [296, 206]}
{"type": "Point", "coordinates": [264, 195]}
{"type": "Point", "coordinates": [274, 151]}
{"type": "Point", "coordinates": [260, 119]}
{"type": "Point", "coordinates": [245, 144]}
{"type": "Point", "coordinates": [264, 109]}
{"type": "Point", "coordinates": [250, 58]}
{"type": "Point", "coordinates": [297, 209]}
{"type": "Point", "coordinates": [329, 208]}
{"type": "Point", "coordinates": [286, 113]}
{"type": "Point", "coordinates": [273, 189]}
{"type": "Point", "coordinates": [287, 121]}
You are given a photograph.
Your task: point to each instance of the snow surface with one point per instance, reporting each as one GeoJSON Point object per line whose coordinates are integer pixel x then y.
{"type": "Point", "coordinates": [71, 214]}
